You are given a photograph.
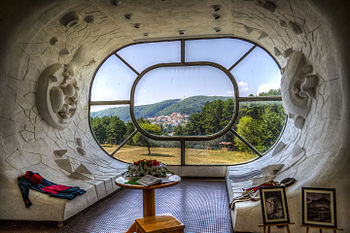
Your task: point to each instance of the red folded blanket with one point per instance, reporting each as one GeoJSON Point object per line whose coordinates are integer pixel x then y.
{"type": "Point", "coordinates": [55, 188]}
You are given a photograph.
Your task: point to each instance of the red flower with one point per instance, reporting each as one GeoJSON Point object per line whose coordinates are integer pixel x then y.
{"type": "Point", "coordinates": [148, 163]}
{"type": "Point", "coordinates": [137, 163]}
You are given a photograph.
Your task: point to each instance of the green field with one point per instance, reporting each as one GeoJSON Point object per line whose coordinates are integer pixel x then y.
{"type": "Point", "coordinates": [171, 156]}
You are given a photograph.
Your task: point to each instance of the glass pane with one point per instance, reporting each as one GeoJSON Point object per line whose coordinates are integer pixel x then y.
{"type": "Point", "coordinates": [113, 81]}
{"type": "Point", "coordinates": [257, 74]}
{"type": "Point", "coordinates": [224, 51]}
{"type": "Point", "coordinates": [141, 56]}
{"type": "Point", "coordinates": [186, 100]}
{"type": "Point", "coordinates": [122, 111]}
{"type": "Point", "coordinates": [260, 124]}
{"type": "Point", "coordinates": [110, 125]}
{"type": "Point", "coordinates": [140, 147]}
{"type": "Point", "coordinates": [218, 151]}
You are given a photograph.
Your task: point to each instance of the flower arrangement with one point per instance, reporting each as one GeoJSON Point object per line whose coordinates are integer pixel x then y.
{"type": "Point", "coordinates": [147, 167]}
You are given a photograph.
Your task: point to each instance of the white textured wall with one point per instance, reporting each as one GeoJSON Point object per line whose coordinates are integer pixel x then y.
{"type": "Point", "coordinates": [322, 161]}
{"type": "Point", "coordinates": [28, 143]}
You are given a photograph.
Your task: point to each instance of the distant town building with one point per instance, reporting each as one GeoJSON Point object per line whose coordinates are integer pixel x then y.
{"type": "Point", "coordinates": [174, 119]}
{"type": "Point", "coordinates": [226, 145]}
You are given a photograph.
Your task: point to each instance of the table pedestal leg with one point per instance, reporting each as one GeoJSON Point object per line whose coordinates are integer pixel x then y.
{"type": "Point", "coordinates": [149, 205]}
{"type": "Point", "coordinates": [132, 228]}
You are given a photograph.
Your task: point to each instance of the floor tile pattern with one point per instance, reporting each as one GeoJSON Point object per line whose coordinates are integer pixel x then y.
{"type": "Point", "coordinates": [201, 205]}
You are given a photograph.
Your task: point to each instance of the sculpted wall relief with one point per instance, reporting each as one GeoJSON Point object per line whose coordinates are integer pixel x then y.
{"type": "Point", "coordinates": [298, 88]}
{"type": "Point", "coordinates": [57, 93]}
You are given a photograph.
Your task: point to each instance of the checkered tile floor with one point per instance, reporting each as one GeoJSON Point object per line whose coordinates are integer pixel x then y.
{"type": "Point", "coordinates": [201, 205]}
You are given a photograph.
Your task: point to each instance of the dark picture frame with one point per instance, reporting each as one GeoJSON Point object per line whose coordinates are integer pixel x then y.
{"type": "Point", "coordinates": [274, 205]}
{"type": "Point", "coordinates": [318, 207]}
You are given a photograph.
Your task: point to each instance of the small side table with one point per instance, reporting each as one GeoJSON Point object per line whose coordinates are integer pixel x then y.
{"type": "Point", "coordinates": [149, 203]}
{"type": "Point", "coordinates": [159, 224]}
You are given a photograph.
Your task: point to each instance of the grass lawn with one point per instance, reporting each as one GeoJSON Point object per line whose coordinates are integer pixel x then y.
{"type": "Point", "coordinates": [171, 156]}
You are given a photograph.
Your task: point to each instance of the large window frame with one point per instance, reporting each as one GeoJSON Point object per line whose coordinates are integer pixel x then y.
{"type": "Point", "coordinates": [182, 139]}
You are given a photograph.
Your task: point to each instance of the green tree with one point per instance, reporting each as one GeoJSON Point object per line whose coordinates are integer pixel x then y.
{"type": "Point", "coordinates": [260, 123]}
{"type": "Point", "coordinates": [214, 116]}
{"type": "Point", "coordinates": [141, 140]}
{"type": "Point", "coordinates": [211, 116]}
{"type": "Point", "coordinates": [252, 109]}
{"type": "Point", "coordinates": [179, 130]}
{"type": "Point", "coordinates": [130, 128]}
{"type": "Point", "coordinates": [108, 129]}
{"type": "Point", "coordinates": [272, 92]}
{"type": "Point", "coordinates": [260, 126]}
{"type": "Point", "coordinates": [251, 130]}
{"type": "Point", "coordinates": [99, 129]}
{"type": "Point", "coordinates": [227, 112]}
{"type": "Point", "coordinates": [116, 130]}
{"type": "Point", "coordinates": [194, 126]}
{"type": "Point", "coordinates": [274, 117]}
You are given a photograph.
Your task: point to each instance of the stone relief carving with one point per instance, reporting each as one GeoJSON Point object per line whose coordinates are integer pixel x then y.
{"type": "Point", "coordinates": [65, 164]}
{"type": "Point", "coordinates": [60, 153]}
{"type": "Point", "coordinates": [280, 146]}
{"type": "Point", "coordinates": [298, 88]}
{"type": "Point", "coordinates": [57, 93]}
{"type": "Point", "coordinates": [80, 149]}
{"type": "Point", "coordinates": [83, 169]}
{"type": "Point", "coordinates": [73, 165]}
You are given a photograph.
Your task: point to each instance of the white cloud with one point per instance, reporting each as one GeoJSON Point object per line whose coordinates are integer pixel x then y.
{"type": "Point", "coordinates": [268, 86]}
{"type": "Point", "coordinates": [243, 86]}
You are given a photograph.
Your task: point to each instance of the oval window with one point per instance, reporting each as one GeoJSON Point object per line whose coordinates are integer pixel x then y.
{"type": "Point", "coordinates": [175, 95]}
{"type": "Point", "coordinates": [189, 102]}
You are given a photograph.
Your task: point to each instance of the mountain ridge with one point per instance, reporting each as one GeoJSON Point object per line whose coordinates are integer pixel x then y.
{"type": "Point", "coordinates": [186, 106]}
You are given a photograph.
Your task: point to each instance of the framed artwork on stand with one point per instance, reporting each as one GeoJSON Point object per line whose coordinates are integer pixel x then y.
{"type": "Point", "coordinates": [274, 205]}
{"type": "Point", "coordinates": [319, 207]}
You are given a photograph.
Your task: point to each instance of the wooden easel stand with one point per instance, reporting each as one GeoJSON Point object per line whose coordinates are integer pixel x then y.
{"type": "Point", "coordinates": [334, 229]}
{"type": "Point", "coordinates": [267, 227]}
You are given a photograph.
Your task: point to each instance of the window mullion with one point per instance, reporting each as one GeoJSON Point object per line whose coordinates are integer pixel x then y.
{"type": "Point", "coordinates": [244, 56]}
{"type": "Point", "coordinates": [124, 142]}
{"type": "Point", "coordinates": [127, 64]}
{"type": "Point", "coordinates": [183, 153]}
{"type": "Point", "coordinates": [245, 142]}
{"type": "Point", "coordinates": [259, 98]}
{"type": "Point", "coordinates": [112, 102]}
{"type": "Point", "coordinates": [182, 51]}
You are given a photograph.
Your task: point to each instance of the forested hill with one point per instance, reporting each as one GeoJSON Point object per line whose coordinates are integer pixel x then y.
{"type": "Point", "coordinates": [186, 106]}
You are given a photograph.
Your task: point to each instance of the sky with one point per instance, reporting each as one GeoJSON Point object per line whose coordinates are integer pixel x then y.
{"type": "Point", "coordinates": [257, 73]}
{"type": "Point", "coordinates": [182, 82]}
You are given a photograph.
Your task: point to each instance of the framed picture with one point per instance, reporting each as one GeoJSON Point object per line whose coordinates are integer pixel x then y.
{"type": "Point", "coordinates": [274, 205]}
{"type": "Point", "coordinates": [318, 207]}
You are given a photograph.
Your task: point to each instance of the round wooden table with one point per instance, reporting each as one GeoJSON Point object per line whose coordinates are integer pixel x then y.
{"type": "Point", "coordinates": [149, 208]}
{"type": "Point", "coordinates": [149, 203]}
